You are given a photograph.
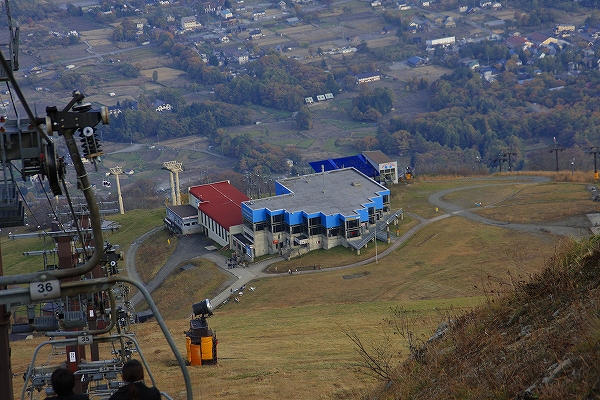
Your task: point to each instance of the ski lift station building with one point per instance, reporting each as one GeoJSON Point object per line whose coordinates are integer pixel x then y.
{"type": "Point", "coordinates": [316, 211]}
{"type": "Point", "coordinates": [308, 212]}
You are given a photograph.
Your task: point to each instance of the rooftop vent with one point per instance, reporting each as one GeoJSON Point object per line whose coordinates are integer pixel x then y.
{"type": "Point", "coordinates": [356, 183]}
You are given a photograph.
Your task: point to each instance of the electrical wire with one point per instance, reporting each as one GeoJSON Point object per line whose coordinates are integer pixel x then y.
{"type": "Point", "coordinates": [12, 99]}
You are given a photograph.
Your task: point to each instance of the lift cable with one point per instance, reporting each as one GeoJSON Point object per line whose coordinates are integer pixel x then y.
{"type": "Point", "coordinates": [75, 220]}
{"type": "Point", "coordinates": [12, 99]}
{"type": "Point", "coordinates": [11, 166]}
{"type": "Point", "coordinates": [52, 207]}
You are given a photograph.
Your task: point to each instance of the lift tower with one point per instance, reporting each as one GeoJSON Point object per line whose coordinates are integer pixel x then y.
{"type": "Point", "coordinates": [174, 168]}
{"type": "Point", "coordinates": [116, 171]}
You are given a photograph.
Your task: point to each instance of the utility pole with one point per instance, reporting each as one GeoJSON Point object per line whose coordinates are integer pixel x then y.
{"type": "Point", "coordinates": [501, 158]}
{"type": "Point", "coordinates": [556, 149]}
{"type": "Point", "coordinates": [376, 218]}
{"type": "Point", "coordinates": [594, 150]}
{"type": "Point", "coordinates": [509, 155]}
{"type": "Point", "coordinates": [116, 171]}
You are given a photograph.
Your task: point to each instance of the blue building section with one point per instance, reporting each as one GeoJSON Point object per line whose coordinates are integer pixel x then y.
{"type": "Point", "coordinates": [358, 161]}
{"type": "Point", "coordinates": [320, 210]}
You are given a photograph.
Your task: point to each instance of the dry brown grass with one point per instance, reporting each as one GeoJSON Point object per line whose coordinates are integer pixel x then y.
{"type": "Point", "coordinates": [164, 73]}
{"type": "Point", "coordinates": [290, 333]}
{"type": "Point", "coordinates": [153, 253]}
{"type": "Point", "coordinates": [435, 264]}
{"type": "Point", "coordinates": [181, 289]}
{"type": "Point", "coordinates": [287, 339]}
{"type": "Point", "coordinates": [554, 201]}
{"type": "Point", "coordinates": [535, 339]}
{"type": "Point", "coordinates": [412, 196]}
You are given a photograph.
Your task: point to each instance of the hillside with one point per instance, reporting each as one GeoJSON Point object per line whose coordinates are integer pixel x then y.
{"type": "Point", "coordinates": [534, 338]}
{"type": "Point", "coordinates": [295, 331]}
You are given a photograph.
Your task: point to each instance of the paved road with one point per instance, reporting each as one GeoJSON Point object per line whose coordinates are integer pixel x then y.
{"type": "Point", "coordinates": [188, 248]}
{"type": "Point", "coordinates": [193, 246]}
{"type": "Point", "coordinates": [454, 209]}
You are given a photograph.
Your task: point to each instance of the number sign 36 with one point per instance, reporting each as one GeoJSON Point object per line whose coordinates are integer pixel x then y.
{"type": "Point", "coordinates": [44, 290]}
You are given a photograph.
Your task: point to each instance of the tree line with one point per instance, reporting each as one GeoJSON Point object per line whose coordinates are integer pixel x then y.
{"type": "Point", "coordinates": [278, 82]}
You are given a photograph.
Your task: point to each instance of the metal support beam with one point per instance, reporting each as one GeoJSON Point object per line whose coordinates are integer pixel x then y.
{"type": "Point", "coordinates": [175, 168]}
{"type": "Point", "coordinates": [21, 296]}
{"type": "Point", "coordinates": [5, 362]}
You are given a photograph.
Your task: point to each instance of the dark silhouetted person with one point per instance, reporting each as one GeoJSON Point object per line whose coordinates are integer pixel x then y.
{"type": "Point", "coordinates": [63, 382]}
{"type": "Point", "coordinates": [135, 389]}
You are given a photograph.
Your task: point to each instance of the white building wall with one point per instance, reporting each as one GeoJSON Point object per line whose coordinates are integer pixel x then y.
{"type": "Point", "coordinates": [190, 226]}
{"type": "Point", "coordinates": [187, 226]}
{"type": "Point", "coordinates": [441, 41]}
{"type": "Point", "coordinates": [213, 230]}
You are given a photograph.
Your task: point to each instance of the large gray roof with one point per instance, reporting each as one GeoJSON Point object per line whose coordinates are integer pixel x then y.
{"type": "Point", "coordinates": [184, 210]}
{"type": "Point", "coordinates": [339, 191]}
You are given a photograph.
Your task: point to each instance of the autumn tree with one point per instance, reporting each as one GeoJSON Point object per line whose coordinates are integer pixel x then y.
{"type": "Point", "coordinates": [304, 119]}
{"type": "Point", "coordinates": [366, 143]}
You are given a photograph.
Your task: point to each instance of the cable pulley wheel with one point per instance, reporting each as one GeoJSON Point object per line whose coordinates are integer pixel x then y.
{"type": "Point", "coordinates": [54, 168]}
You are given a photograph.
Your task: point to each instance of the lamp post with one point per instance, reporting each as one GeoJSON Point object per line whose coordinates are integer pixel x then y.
{"type": "Point", "coordinates": [572, 168]}
{"type": "Point", "coordinates": [376, 261]}
{"type": "Point", "coordinates": [386, 224]}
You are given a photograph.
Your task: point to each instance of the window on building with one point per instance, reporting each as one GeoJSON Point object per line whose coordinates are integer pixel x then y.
{"type": "Point", "coordinates": [277, 223]}
{"type": "Point", "coordinates": [335, 231]}
{"type": "Point", "coordinates": [352, 228]}
{"type": "Point", "coordinates": [314, 226]}
{"type": "Point", "coordinates": [299, 228]}
{"type": "Point", "coordinates": [371, 215]}
{"type": "Point", "coordinates": [260, 226]}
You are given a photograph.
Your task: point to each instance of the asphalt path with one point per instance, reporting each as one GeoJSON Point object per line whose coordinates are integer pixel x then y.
{"type": "Point", "coordinates": [437, 199]}
{"type": "Point", "coordinates": [188, 248]}
{"type": "Point", "coordinates": [194, 246]}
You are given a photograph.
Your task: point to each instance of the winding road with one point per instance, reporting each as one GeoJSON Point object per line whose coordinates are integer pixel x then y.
{"type": "Point", "coordinates": [189, 247]}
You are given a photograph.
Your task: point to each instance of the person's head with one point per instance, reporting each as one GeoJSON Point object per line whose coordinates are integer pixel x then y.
{"type": "Point", "coordinates": [63, 381]}
{"type": "Point", "coordinates": [132, 371]}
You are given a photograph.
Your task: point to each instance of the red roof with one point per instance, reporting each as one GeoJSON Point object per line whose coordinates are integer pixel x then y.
{"type": "Point", "coordinates": [516, 41]}
{"type": "Point", "coordinates": [538, 37]}
{"type": "Point", "coordinates": [221, 202]}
